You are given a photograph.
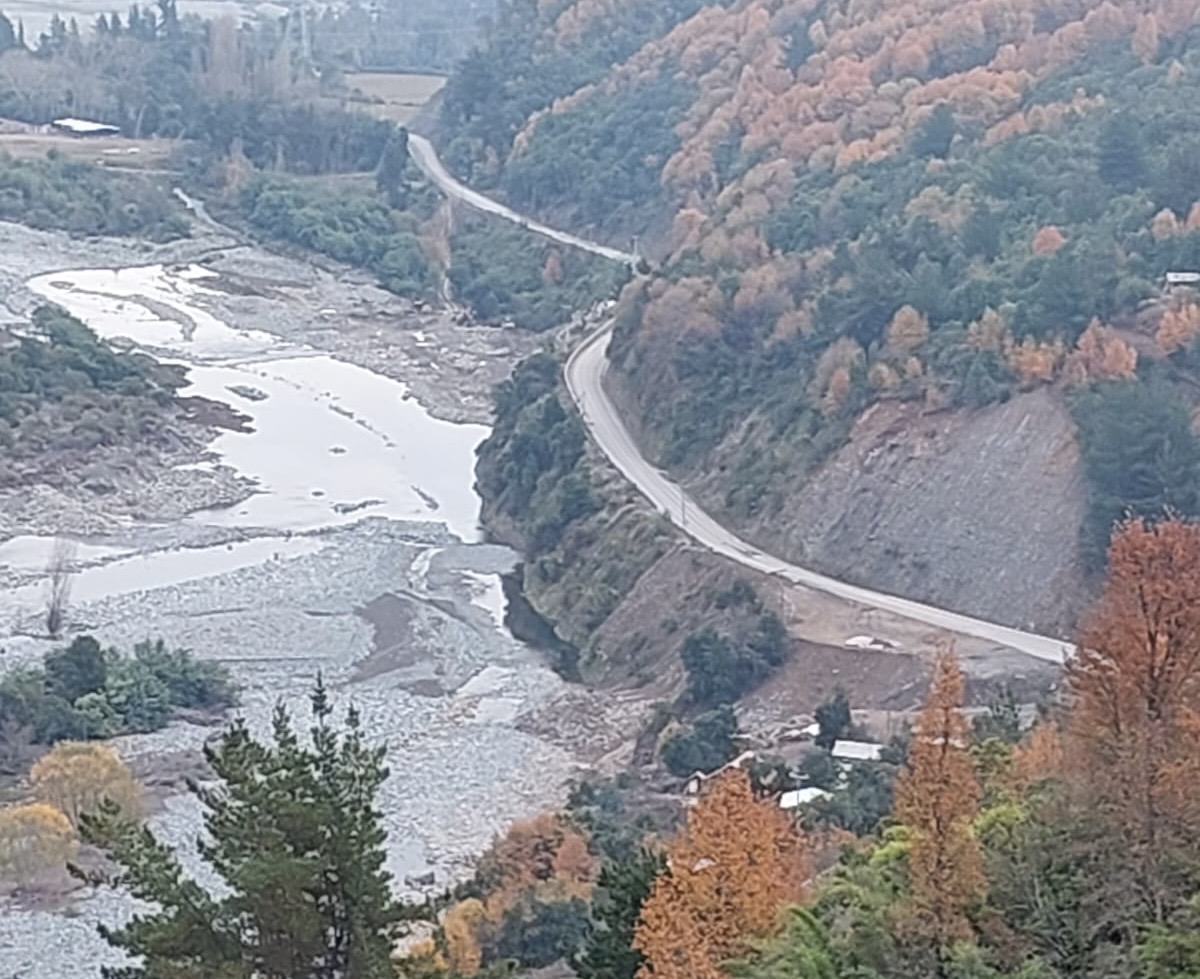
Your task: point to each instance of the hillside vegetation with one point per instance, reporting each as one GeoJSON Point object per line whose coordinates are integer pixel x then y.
{"type": "Point", "coordinates": [62, 390]}
{"type": "Point", "coordinates": [943, 202]}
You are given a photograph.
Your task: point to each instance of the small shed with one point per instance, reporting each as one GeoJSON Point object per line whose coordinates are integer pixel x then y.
{"type": "Point", "coordinates": [84, 127]}
{"type": "Point", "coordinates": [856, 750]}
{"type": "Point", "coordinates": [696, 783]}
{"type": "Point", "coordinates": [801, 797]}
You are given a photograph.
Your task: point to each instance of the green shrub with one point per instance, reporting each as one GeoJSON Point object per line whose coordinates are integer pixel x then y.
{"type": "Point", "coordinates": [706, 746]}
{"type": "Point", "coordinates": [138, 697]}
{"type": "Point", "coordinates": [83, 692]}
{"type": "Point", "coordinates": [189, 682]}
{"type": "Point", "coordinates": [503, 271]}
{"type": "Point", "coordinates": [86, 199]}
{"type": "Point", "coordinates": [720, 670]}
{"type": "Point", "coordinates": [356, 227]}
{"type": "Point", "coordinates": [536, 934]}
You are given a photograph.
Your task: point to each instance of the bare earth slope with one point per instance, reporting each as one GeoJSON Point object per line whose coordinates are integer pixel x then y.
{"type": "Point", "coordinates": [975, 511]}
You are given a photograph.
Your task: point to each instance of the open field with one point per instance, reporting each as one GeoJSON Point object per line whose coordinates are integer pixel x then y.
{"type": "Point", "coordinates": [30, 143]}
{"type": "Point", "coordinates": [395, 96]}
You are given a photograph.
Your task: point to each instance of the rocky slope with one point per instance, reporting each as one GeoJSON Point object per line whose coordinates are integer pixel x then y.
{"type": "Point", "coordinates": [976, 511]}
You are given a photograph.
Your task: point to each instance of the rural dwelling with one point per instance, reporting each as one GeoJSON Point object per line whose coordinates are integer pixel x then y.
{"type": "Point", "coordinates": [856, 750]}
{"type": "Point", "coordinates": [801, 797]}
{"type": "Point", "coordinates": [696, 782]}
{"type": "Point", "coordinates": [84, 127]}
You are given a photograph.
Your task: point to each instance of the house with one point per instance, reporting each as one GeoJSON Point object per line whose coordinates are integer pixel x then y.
{"type": "Point", "coordinates": [742, 761]}
{"type": "Point", "coordinates": [84, 127]}
{"type": "Point", "coordinates": [844, 750]}
{"type": "Point", "coordinates": [1187, 280]}
{"type": "Point", "coordinates": [801, 797]}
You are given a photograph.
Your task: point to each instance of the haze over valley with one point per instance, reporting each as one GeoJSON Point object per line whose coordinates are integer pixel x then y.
{"type": "Point", "coordinates": [600, 488]}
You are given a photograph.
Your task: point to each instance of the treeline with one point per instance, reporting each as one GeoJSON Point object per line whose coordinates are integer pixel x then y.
{"type": "Point", "coordinates": [85, 199]}
{"type": "Point", "coordinates": [504, 272]}
{"type": "Point", "coordinates": [354, 226]}
{"type": "Point", "coordinates": [235, 90]}
{"type": "Point", "coordinates": [531, 467]}
{"type": "Point", "coordinates": [62, 389]}
{"type": "Point", "coordinates": [399, 35]}
{"type": "Point", "coordinates": [83, 691]}
{"type": "Point", "coordinates": [602, 161]}
{"type": "Point", "coordinates": [532, 55]}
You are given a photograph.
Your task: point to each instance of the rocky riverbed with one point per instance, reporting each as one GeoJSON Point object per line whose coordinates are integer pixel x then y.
{"type": "Point", "coordinates": [336, 535]}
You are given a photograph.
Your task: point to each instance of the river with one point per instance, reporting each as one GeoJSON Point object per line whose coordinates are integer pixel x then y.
{"type": "Point", "coordinates": [358, 555]}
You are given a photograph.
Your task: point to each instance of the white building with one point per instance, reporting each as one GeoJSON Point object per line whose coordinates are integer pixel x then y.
{"type": "Point", "coordinates": [856, 750]}
{"type": "Point", "coordinates": [85, 127]}
{"type": "Point", "coordinates": [801, 797]}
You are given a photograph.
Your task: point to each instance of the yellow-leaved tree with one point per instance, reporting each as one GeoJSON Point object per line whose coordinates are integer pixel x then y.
{"type": "Point", "coordinates": [76, 777]}
{"type": "Point", "coordinates": [460, 927]}
{"type": "Point", "coordinates": [937, 798]}
{"type": "Point", "coordinates": [35, 840]}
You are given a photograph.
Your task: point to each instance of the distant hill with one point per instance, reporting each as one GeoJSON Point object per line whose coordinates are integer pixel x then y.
{"type": "Point", "coordinates": [946, 202]}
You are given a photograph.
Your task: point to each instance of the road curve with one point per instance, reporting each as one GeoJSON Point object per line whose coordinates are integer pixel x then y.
{"type": "Point", "coordinates": [585, 372]}
{"type": "Point", "coordinates": [425, 157]}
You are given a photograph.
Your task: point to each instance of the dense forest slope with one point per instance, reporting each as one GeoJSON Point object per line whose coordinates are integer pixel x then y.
{"type": "Point", "coordinates": [944, 204]}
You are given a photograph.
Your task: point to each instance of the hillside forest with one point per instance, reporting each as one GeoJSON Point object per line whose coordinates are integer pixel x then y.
{"type": "Point", "coordinates": [948, 204]}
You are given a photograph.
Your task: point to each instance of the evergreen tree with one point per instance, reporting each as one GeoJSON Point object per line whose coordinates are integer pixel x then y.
{"type": "Point", "coordinates": [935, 137]}
{"type": "Point", "coordinates": [608, 951]}
{"type": "Point", "coordinates": [76, 670]}
{"type": "Point", "coordinates": [1119, 158]}
{"type": "Point", "coordinates": [294, 834]}
{"type": "Point", "coordinates": [981, 233]}
{"type": "Point", "coordinates": [391, 174]}
{"type": "Point", "coordinates": [833, 719]}
{"type": "Point", "coordinates": [1140, 456]}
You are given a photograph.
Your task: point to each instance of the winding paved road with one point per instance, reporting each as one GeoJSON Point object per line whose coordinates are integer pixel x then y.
{"type": "Point", "coordinates": [585, 371]}
{"type": "Point", "coordinates": [425, 157]}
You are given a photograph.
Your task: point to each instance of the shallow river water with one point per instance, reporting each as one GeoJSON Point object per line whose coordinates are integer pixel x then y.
{"type": "Point", "coordinates": [358, 555]}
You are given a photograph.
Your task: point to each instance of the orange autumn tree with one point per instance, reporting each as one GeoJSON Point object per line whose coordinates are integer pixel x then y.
{"type": "Point", "coordinates": [737, 863]}
{"type": "Point", "coordinates": [1134, 686]}
{"type": "Point", "coordinates": [1178, 328]}
{"type": "Point", "coordinates": [538, 861]}
{"type": "Point", "coordinates": [937, 798]}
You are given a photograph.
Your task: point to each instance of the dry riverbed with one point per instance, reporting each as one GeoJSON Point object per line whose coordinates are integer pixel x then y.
{"type": "Point", "coordinates": [336, 534]}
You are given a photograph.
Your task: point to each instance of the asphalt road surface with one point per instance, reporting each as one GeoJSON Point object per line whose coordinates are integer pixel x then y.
{"type": "Point", "coordinates": [585, 372]}
{"type": "Point", "coordinates": [426, 158]}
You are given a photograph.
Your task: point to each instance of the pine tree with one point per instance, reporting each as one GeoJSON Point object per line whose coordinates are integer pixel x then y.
{"type": "Point", "coordinates": [623, 888]}
{"type": "Point", "coordinates": [1140, 456]}
{"type": "Point", "coordinates": [1119, 152]}
{"type": "Point", "coordinates": [937, 798]}
{"type": "Point", "coordinates": [391, 176]}
{"type": "Point", "coordinates": [294, 834]}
